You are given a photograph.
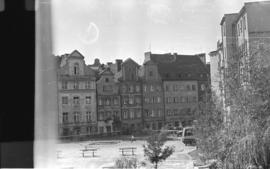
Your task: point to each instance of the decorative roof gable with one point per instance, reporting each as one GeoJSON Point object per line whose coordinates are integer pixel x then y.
{"type": "Point", "coordinates": [76, 54]}
{"type": "Point", "coordinates": [130, 60]}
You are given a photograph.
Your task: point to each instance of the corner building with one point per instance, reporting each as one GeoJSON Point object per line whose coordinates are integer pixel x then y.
{"type": "Point", "coordinates": [76, 98]}
{"type": "Point", "coordinates": [131, 97]}
{"type": "Point", "coordinates": [184, 82]}
{"type": "Point", "coordinates": [153, 97]}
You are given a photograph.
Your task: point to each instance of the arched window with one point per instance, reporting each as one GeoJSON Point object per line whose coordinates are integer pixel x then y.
{"type": "Point", "coordinates": [76, 68]}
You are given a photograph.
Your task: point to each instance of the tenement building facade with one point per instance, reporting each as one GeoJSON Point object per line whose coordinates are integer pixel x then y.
{"type": "Point", "coordinates": [131, 96]}
{"type": "Point", "coordinates": [76, 97]}
{"type": "Point", "coordinates": [108, 106]}
{"type": "Point", "coordinates": [153, 101]}
{"type": "Point", "coordinates": [184, 81]}
{"type": "Point", "coordinates": [124, 97]}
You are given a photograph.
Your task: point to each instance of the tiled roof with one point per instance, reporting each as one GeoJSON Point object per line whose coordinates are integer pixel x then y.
{"type": "Point", "coordinates": [179, 67]}
{"type": "Point", "coordinates": [149, 62]}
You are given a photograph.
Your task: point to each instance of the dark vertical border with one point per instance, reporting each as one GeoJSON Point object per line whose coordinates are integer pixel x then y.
{"type": "Point", "coordinates": [17, 77]}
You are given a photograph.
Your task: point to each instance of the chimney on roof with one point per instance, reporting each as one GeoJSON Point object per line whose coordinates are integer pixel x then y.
{"type": "Point", "coordinates": [118, 64]}
{"type": "Point", "coordinates": [97, 62]}
{"type": "Point", "coordinates": [175, 54]}
{"type": "Point", "coordinates": [147, 56]}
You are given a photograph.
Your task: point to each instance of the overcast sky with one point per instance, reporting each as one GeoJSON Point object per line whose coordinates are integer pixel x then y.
{"type": "Point", "coordinates": [112, 29]}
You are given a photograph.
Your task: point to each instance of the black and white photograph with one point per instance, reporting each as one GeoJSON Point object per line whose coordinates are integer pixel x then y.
{"type": "Point", "coordinates": [152, 84]}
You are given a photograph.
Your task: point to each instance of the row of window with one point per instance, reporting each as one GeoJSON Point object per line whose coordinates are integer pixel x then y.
{"type": "Point", "coordinates": [106, 129]}
{"type": "Point", "coordinates": [108, 115]}
{"type": "Point", "coordinates": [132, 114]}
{"type": "Point", "coordinates": [76, 100]}
{"type": "Point", "coordinates": [76, 85]}
{"type": "Point", "coordinates": [153, 113]}
{"type": "Point", "coordinates": [185, 75]}
{"type": "Point", "coordinates": [130, 88]}
{"type": "Point", "coordinates": [78, 130]}
{"type": "Point", "coordinates": [152, 88]}
{"type": "Point", "coordinates": [177, 112]}
{"type": "Point", "coordinates": [131, 100]}
{"type": "Point", "coordinates": [182, 99]}
{"type": "Point", "coordinates": [241, 26]}
{"type": "Point", "coordinates": [108, 101]}
{"type": "Point", "coordinates": [177, 87]}
{"type": "Point", "coordinates": [154, 125]}
{"type": "Point", "coordinates": [127, 114]}
{"type": "Point", "coordinates": [155, 99]}
{"type": "Point", "coordinates": [76, 117]}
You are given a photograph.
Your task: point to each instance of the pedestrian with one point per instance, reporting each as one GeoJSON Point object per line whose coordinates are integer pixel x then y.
{"type": "Point", "coordinates": [132, 138]}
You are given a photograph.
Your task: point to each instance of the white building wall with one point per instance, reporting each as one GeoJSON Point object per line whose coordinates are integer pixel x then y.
{"type": "Point", "coordinates": [214, 72]}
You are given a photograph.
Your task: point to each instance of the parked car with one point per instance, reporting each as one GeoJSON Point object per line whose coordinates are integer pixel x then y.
{"type": "Point", "coordinates": [188, 137]}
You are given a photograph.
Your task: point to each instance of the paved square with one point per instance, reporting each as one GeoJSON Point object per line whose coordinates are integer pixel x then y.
{"type": "Point", "coordinates": [70, 155]}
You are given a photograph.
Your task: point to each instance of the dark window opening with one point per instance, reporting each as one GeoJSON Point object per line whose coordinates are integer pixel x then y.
{"type": "Point", "coordinates": [76, 68]}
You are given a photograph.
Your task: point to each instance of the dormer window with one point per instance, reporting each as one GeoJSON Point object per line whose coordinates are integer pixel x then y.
{"type": "Point", "coordinates": [76, 68]}
{"type": "Point", "coordinates": [106, 80]}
